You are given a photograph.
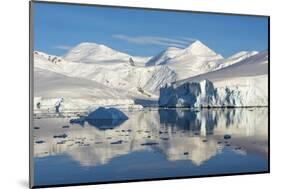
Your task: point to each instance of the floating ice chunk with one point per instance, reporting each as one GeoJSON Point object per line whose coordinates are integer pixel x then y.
{"type": "Point", "coordinates": [102, 118]}
{"type": "Point", "coordinates": [107, 113]}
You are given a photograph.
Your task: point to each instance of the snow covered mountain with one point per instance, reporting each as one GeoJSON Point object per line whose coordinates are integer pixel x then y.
{"type": "Point", "coordinates": [77, 93]}
{"type": "Point", "coordinates": [234, 59]}
{"type": "Point", "coordinates": [241, 84]}
{"type": "Point", "coordinates": [98, 53]}
{"type": "Point", "coordinates": [92, 74]}
{"type": "Point", "coordinates": [84, 85]}
{"type": "Point", "coordinates": [253, 66]}
{"type": "Point", "coordinates": [197, 58]}
{"type": "Point", "coordinates": [120, 75]}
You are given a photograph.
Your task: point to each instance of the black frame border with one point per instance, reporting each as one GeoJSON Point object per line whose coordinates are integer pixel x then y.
{"type": "Point", "coordinates": [31, 92]}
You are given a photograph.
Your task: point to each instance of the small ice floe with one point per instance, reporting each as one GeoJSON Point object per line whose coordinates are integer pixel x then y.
{"type": "Point", "coordinates": [60, 136]}
{"type": "Point", "coordinates": [226, 137]}
{"type": "Point", "coordinates": [117, 142]}
{"type": "Point", "coordinates": [240, 150]}
{"type": "Point", "coordinates": [149, 144]}
{"type": "Point", "coordinates": [39, 141]}
{"type": "Point", "coordinates": [237, 148]}
{"type": "Point", "coordinates": [79, 121]}
{"type": "Point", "coordinates": [61, 142]}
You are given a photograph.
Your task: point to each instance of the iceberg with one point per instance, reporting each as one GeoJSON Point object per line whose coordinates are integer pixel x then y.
{"type": "Point", "coordinates": [102, 118]}
{"type": "Point", "coordinates": [106, 113]}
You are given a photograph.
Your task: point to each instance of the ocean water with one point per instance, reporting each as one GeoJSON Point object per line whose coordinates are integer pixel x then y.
{"type": "Point", "coordinates": [151, 144]}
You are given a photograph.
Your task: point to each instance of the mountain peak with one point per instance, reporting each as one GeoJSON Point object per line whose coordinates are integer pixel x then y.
{"type": "Point", "coordinates": [200, 49]}
{"type": "Point", "coordinates": [89, 46]}
{"type": "Point", "coordinates": [88, 52]}
{"type": "Point", "coordinates": [91, 52]}
{"type": "Point", "coordinates": [196, 42]}
{"type": "Point", "coordinates": [86, 44]}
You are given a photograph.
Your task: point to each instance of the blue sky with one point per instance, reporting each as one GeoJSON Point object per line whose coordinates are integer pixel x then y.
{"type": "Point", "coordinates": [59, 27]}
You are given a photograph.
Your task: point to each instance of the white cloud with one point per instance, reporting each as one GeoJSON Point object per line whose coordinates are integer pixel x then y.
{"type": "Point", "coordinates": [62, 47]}
{"type": "Point", "coordinates": [154, 40]}
{"type": "Point", "coordinates": [188, 39]}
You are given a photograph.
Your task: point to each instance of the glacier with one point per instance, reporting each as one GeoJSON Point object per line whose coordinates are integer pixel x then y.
{"type": "Point", "coordinates": [242, 84]}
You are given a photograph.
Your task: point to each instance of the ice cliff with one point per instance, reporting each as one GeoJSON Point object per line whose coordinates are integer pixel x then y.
{"type": "Point", "coordinates": [205, 94]}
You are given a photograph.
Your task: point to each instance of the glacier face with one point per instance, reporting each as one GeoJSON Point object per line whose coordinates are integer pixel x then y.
{"type": "Point", "coordinates": [204, 94]}
{"type": "Point", "coordinates": [189, 94]}
{"type": "Point", "coordinates": [239, 85]}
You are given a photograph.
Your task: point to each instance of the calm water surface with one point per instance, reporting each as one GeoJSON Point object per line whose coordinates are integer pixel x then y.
{"type": "Point", "coordinates": [151, 144]}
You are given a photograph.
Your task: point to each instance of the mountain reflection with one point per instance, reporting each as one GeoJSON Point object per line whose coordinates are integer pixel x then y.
{"type": "Point", "coordinates": [178, 134]}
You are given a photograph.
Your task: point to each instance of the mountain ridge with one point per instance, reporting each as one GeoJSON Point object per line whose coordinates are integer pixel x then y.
{"type": "Point", "coordinates": [123, 73]}
{"type": "Point", "coordinates": [87, 52]}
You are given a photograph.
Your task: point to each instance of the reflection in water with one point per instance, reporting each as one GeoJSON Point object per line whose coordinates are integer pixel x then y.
{"type": "Point", "coordinates": [175, 134]}
{"type": "Point", "coordinates": [98, 123]}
